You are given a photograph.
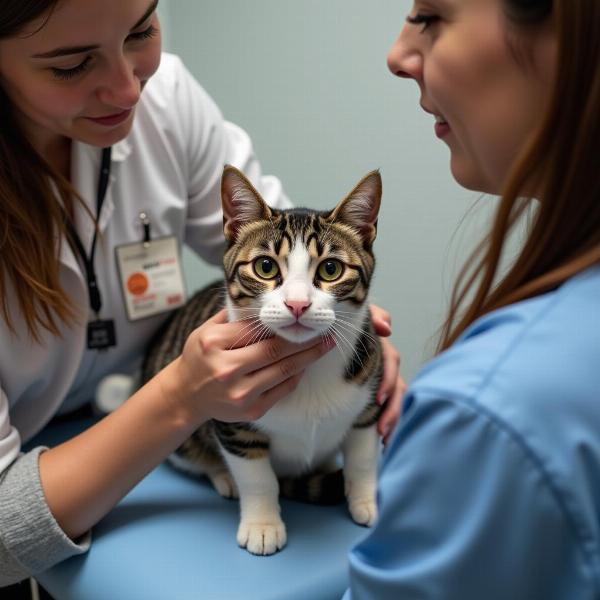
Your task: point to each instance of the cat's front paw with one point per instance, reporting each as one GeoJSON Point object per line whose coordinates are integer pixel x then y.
{"type": "Point", "coordinates": [364, 512]}
{"type": "Point", "coordinates": [262, 538]}
{"type": "Point", "coordinates": [361, 501]}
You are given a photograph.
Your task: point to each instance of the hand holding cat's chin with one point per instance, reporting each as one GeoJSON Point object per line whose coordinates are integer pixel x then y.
{"type": "Point", "coordinates": [218, 377]}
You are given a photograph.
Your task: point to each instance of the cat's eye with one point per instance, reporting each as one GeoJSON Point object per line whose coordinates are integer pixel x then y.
{"type": "Point", "coordinates": [330, 270]}
{"type": "Point", "coordinates": [266, 267]}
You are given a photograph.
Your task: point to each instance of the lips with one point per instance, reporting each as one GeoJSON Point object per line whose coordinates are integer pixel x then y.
{"type": "Point", "coordinates": [111, 120]}
{"type": "Point", "coordinates": [438, 117]}
{"type": "Point", "coordinates": [441, 128]}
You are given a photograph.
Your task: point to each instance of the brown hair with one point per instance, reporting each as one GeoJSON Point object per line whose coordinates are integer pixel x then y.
{"type": "Point", "coordinates": [561, 162]}
{"type": "Point", "coordinates": [31, 215]}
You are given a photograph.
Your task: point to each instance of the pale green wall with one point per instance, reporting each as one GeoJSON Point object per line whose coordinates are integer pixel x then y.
{"type": "Point", "coordinates": [308, 80]}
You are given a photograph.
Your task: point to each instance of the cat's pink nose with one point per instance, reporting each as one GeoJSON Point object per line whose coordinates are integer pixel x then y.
{"type": "Point", "coordinates": [298, 307]}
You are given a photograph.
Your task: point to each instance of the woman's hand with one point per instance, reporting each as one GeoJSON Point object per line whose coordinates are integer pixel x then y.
{"type": "Point", "coordinates": [219, 377]}
{"type": "Point", "coordinates": [392, 387]}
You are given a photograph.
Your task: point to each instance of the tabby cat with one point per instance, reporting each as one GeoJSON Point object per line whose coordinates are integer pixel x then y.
{"type": "Point", "coordinates": [298, 274]}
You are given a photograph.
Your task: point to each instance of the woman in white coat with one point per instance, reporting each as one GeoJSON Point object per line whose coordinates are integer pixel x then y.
{"type": "Point", "coordinates": [97, 129]}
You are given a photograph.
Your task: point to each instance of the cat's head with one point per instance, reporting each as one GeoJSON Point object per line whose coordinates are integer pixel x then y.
{"type": "Point", "coordinates": [299, 273]}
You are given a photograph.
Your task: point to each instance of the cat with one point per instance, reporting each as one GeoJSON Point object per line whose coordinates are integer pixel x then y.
{"type": "Point", "coordinates": [298, 274]}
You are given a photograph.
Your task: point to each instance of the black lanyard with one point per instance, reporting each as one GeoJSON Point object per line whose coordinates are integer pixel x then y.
{"type": "Point", "coordinates": [101, 334]}
{"type": "Point", "coordinates": [88, 262]}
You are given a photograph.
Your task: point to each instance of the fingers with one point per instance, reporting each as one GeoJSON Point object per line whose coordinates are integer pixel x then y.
{"type": "Point", "coordinates": [267, 352]}
{"type": "Point", "coordinates": [269, 398]}
{"type": "Point", "coordinates": [219, 318]}
{"type": "Point", "coordinates": [391, 371]}
{"type": "Point", "coordinates": [245, 346]}
{"type": "Point", "coordinates": [218, 333]}
{"type": "Point", "coordinates": [251, 396]}
{"type": "Point", "coordinates": [270, 376]}
{"type": "Point", "coordinates": [391, 390]}
{"type": "Point", "coordinates": [393, 407]}
{"type": "Point", "coordinates": [382, 320]}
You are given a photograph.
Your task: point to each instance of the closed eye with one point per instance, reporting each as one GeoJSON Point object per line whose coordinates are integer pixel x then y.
{"type": "Point", "coordinates": [73, 72]}
{"type": "Point", "coordinates": [143, 35]}
{"type": "Point", "coordinates": [66, 74]}
{"type": "Point", "coordinates": [422, 19]}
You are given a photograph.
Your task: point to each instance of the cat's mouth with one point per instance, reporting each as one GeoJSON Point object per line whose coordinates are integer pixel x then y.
{"type": "Point", "coordinates": [297, 327]}
{"type": "Point", "coordinates": [298, 333]}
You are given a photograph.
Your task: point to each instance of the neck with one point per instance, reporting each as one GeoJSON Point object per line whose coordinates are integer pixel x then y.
{"type": "Point", "coordinates": [57, 153]}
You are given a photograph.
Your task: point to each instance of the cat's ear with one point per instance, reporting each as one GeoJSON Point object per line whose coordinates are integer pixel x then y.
{"type": "Point", "coordinates": [359, 209]}
{"type": "Point", "coordinates": [242, 204]}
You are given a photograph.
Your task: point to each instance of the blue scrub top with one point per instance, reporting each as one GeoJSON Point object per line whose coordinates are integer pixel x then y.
{"type": "Point", "coordinates": [490, 488]}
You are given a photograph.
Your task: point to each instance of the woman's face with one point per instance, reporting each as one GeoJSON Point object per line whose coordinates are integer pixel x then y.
{"type": "Point", "coordinates": [486, 101]}
{"type": "Point", "coordinates": [78, 72]}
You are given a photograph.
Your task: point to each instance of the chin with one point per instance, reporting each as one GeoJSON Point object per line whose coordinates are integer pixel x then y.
{"type": "Point", "coordinates": [103, 139]}
{"type": "Point", "coordinates": [297, 334]}
{"type": "Point", "coordinates": [468, 176]}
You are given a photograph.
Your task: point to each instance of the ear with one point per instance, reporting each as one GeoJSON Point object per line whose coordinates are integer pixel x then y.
{"type": "Point", "coordinates": [359, 209]}
{"type": "Point", "coordinates": [242, 204]}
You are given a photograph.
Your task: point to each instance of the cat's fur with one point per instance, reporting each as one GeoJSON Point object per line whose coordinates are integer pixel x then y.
{"type": "Point", "coordinates": [333, 407]}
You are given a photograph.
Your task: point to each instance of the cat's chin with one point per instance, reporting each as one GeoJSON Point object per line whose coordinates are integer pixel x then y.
{"type": "Point", "coordinates": [297, 333]}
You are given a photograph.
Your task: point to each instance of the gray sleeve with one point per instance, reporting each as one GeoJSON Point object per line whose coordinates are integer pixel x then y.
{"type": "Point", "coordinates": [31, 540]}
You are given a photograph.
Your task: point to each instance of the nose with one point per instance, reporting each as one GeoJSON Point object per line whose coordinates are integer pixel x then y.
{"type": "Point", "coordinates": [404, 58]}
{"type": "Point", "coordinates": [122, 86]}
{"type": "Point", "coordinates": [298, 307]}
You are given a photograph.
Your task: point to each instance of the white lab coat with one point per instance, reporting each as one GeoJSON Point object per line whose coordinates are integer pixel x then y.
{"type": "Point", "coordinates": [169, 167]}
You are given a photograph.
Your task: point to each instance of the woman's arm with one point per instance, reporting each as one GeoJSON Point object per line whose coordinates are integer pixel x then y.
{"type": "Point", "coordinates": [466, 512]}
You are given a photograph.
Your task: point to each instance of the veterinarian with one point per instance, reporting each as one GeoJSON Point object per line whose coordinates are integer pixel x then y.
{"type": "Point", "coordinates": [105, 147]}
{"type": "Point", "coordinates": [490, 488]}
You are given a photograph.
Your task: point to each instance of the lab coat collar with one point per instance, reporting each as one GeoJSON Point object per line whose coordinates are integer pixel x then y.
{"type": "Point", "coordinates": [121, 150]}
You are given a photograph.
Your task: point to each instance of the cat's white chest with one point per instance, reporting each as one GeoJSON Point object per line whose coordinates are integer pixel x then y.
{"type": "Point", "coordinates": [307, 427]}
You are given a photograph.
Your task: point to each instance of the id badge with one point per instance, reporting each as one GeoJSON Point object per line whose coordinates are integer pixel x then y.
{"type": "Point", "coordinates": [101, 335]}
{"type": "Point", "coordinates": [151, 277]}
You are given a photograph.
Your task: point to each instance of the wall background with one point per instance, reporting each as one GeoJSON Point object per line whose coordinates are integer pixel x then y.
{"type": "Point", "coordinates": [309, 82]}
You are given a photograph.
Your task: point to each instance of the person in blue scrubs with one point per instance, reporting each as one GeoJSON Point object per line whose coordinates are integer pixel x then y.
{"type": "Point", "coordinates": [490, 487]}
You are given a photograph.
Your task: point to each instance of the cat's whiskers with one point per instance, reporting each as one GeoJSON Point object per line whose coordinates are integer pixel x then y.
{"type": "Point", "coordinates": [341, 341]}
{"type": "Point", "coordinates": [256, 337]}
{"type": "Point", "coordinates": [264, 335]}
{"type": "Point", "coordinates": [361, 331]}
{"type": "Point", "coordinates": [350, 331]}
{"type": "Point", "coordinates": [248, 330]}
{"type": "Point", "coordinates": [353, 349]}
{"type": "Point", "coordinates": [248, 316]}
{"type": "Point", "coordinates": [330, 333]}
{"type": "Point", "coordinates": [246, 308]}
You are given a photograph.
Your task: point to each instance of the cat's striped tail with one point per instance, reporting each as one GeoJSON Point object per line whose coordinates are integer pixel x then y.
{"type": "Point", "coordinates": [314, 488]}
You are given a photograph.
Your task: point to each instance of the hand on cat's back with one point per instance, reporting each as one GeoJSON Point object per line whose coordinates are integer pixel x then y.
{"type": "Point", "coordinates": [218, 376]}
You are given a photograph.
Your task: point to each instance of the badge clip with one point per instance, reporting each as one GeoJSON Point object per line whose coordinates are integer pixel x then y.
{"type": "Point", "coordinates": [146, 225]}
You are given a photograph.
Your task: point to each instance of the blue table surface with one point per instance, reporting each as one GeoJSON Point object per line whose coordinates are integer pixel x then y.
{"type": "Point", "coordinates": [174, 538]}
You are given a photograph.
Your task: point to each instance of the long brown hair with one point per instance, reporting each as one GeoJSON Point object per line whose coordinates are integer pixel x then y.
{"type": "Point", "coordinates": [31, 214]}
{"type": "Point", "coordinates": [561, 162]}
